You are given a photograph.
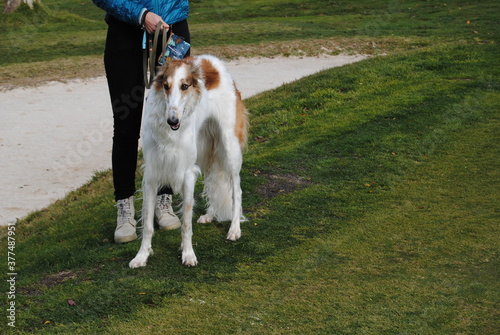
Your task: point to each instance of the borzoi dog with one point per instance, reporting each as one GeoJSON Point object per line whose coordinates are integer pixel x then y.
{"type": "Point", "coordinates": [194, 122]}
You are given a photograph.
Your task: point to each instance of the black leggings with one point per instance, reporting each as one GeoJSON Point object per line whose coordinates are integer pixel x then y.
{"type": "Point", "coordinates": [124, 72]}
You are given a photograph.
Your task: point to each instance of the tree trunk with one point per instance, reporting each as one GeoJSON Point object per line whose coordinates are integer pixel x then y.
{"type": "Point", "coordinates": [12, 5]}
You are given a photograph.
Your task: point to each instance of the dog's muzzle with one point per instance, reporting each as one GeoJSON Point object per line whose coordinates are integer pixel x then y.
{"type": "Point", "coordinates": [174, 123]}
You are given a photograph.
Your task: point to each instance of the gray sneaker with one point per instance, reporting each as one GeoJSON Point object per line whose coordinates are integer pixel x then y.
{"type": "Point", "coordinates": [125, 224]}
{"type": "Point", "coordinates": [165, 214]}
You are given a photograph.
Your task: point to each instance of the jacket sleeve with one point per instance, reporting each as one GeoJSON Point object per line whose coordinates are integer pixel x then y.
{"type": "Point", "coordinates": [124, 10]}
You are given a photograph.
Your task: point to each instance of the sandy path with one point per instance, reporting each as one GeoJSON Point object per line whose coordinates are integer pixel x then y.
{"type": "Point", "coordinates": [54, 137]}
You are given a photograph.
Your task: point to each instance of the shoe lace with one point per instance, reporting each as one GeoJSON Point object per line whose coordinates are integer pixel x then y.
{"type": "Point", "coordinates": [124, 211]}
{"type": "Point", "coordinates": [163, 204]}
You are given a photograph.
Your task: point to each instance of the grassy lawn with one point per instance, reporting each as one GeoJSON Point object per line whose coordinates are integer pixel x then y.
{"type": "Point", "coordinates": [65, 39]}
{"type": "Point", "coordinates": [371, 190]}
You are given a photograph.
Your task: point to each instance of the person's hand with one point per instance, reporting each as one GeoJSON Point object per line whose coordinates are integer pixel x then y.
{"type": "Point", "coordinates": [151, 21]}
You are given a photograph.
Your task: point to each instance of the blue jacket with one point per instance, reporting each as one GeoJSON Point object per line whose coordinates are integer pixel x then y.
{"type": "Point", "coordinates": [131, 11]}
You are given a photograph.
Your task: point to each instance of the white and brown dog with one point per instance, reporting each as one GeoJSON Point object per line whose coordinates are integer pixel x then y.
{"type": "Point", "coordinates": [194, 122]}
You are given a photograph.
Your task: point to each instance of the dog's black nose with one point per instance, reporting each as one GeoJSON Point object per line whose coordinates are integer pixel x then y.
{"type": "Point", "coordinates": [173, 121]}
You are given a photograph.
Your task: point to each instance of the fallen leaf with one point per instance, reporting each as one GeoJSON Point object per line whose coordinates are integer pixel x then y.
{"type": "Point", "coordinates": [260, 139]}
{"type": "Point", "coordinates": [71, 302]}
{"type": "Point", "coordinates": [46, 322]}
{"type": "Point", "coordinates": [468, 22]}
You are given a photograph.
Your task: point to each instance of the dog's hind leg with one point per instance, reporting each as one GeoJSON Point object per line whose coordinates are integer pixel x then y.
{"type": "Point", "coordinates": [218, 190]}
{"type": "Point", "coordinates": [188, 255]}
{"type": "Point", "coordinates": [206, 218]}
{"type": "Point", "coordinates": [210, 181]}
{"type": "Point", "coordinates": [232, 168]}
{"type": "Point", "coordinates": [148, 207]}
{"type": "Point", "coordinates": [234, 232]}
{"type": "Point", "coordinates": [222, 185]}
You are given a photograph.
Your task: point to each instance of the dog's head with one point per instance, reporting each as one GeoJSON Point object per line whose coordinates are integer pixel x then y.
{"type": "Point", "coordinates": [179, 80]}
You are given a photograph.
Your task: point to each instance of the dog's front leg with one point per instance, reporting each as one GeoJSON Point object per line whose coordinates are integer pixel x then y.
{"type": "Point", "coordinates": [148, 209]}
{"type": "Point", "coordinates": [188, 256]}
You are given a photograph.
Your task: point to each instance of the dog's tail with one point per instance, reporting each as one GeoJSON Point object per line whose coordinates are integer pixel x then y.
{"type": "Point", "coordinates": [241, 126]}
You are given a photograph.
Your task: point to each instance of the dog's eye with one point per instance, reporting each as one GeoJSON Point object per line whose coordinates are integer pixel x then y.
{"type": "Point", "coordinates": [184, 87]}
{"type": "Point", "coordinates": [165, 86]}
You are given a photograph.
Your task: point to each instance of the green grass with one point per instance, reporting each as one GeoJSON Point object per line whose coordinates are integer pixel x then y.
{"type": "Point", "coordinates": [371, 194]}
{"type": "Point", "coordinates": [65, 39]}
{"type": "Point", "coordinates": [62, 29]}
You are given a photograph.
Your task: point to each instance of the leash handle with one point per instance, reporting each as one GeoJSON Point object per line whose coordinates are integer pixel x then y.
{"type": "Point", "coordinates": [150, 53]}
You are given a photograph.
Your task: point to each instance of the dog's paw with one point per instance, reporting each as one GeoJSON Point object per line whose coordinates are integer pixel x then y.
{"type": "Point", "coordinates": [233, 234]}
{"type": "Point", "coordinates": [138, 261]}
{"type": "Point", "coordinates": [205, 219]}
{"type": "Point", "coordinates": [189, 259]}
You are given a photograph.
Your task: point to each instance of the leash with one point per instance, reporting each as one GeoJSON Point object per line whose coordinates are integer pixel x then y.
{"type": "Point", "coordinates": [149, 53]}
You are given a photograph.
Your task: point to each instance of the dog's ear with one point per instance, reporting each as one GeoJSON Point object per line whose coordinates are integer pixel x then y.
{"type": "Point", "coordinates": [196, 73]}
{"type": "Point", "coordinates": [210, 75]}
{"type": "Point", "coordinates": [159, 77]}
{"type": "Point", "coordinates": [194, 70]}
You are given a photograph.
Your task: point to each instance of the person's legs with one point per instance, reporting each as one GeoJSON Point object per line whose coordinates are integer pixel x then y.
{"type": "Point", "coordinates": [123, 64]}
